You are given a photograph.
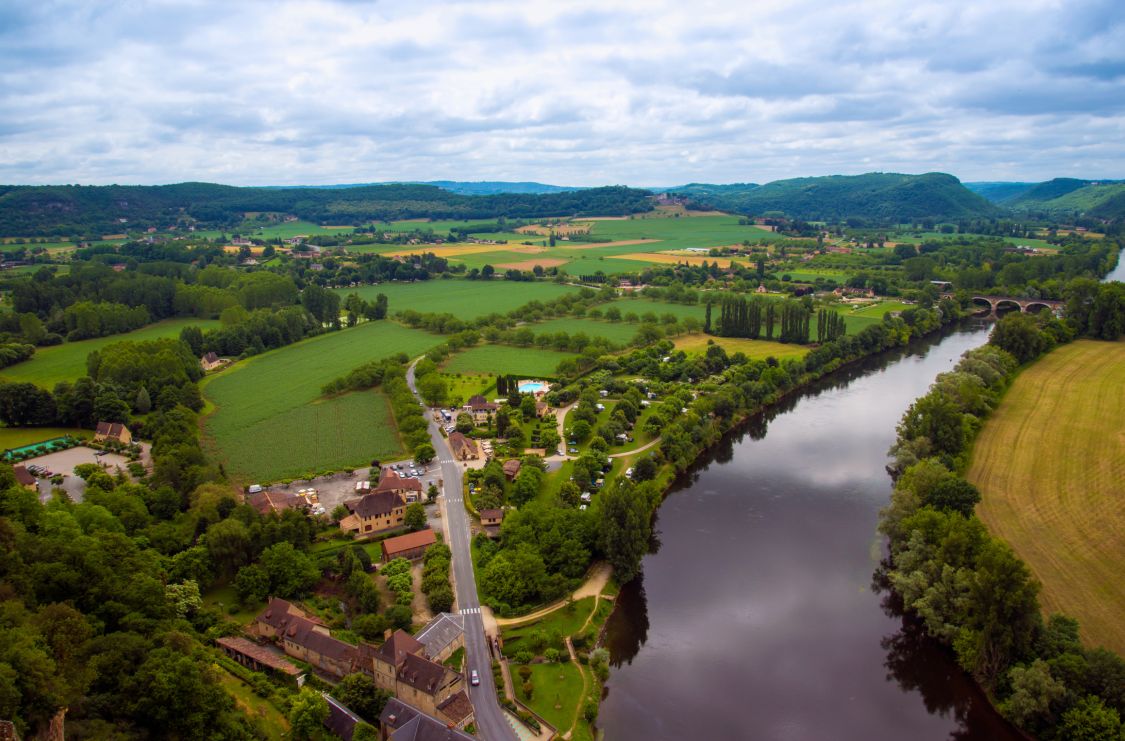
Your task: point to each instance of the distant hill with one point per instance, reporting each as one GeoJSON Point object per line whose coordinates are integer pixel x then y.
{"type": "Point", "coordinates": [465, 188]}
{"type": "Point", "coordinates": [1050, 190]}
{"type": "Point", "coordinates": [884, 197]}
{"type": "Point", "coordinates": [999, 192]}
{"type": "Point", "coordinates": [59, 210]}
{"type": "Point", "coordinates": [1101, 199]}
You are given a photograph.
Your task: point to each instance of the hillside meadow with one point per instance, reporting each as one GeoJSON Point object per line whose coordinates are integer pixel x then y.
{"type": "Point", "coordinates": [269, 420]}
{"type": "Point", "coordinates": [67, 361]}
{"type": "Point", "coordinates": [1049, 463]}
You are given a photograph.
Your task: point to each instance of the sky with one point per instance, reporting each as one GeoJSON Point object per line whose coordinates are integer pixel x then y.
{"type": "Point", "coordinates": [573, 92]}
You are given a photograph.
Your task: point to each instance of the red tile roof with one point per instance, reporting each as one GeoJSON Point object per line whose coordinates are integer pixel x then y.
{"type": "Point", "coordinates": [410, 541]}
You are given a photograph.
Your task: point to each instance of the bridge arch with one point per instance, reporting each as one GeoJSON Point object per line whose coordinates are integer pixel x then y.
{"type": "Point", "coordinates": [982, 305]}
{"type": "Point", "coordinates": [1035, 307]}
{"type": "Point", "coordinates": [1005, 305]}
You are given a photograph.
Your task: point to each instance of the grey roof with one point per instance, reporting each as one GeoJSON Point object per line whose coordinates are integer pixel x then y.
{"type": "Point", "coordinates": [405, 723]}
{"type": "Point", "coordinates": [340, 720]}
{"type": "Point", "coordinates": [442, 631]}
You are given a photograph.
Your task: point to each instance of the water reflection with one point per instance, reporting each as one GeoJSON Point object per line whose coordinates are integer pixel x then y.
{"type": "Point", "coordinates": [757, 617]}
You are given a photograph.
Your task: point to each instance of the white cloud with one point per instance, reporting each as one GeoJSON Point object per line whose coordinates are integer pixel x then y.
{"type": "Point", "coordinates": [646, 93]}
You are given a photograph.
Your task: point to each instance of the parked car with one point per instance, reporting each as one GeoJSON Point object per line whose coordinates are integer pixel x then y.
{"type": "Point", "coordinates": [474, 678]}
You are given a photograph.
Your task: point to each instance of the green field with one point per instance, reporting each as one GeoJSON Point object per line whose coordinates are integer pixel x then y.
{"type": "Point", "coordinates": [919, 237]}
{"type": "Point", "coordinates": [754, 349]}
{"type": "Point", "coordinates": [270, 421]}
{"type": "Point", "coordinates": [620, 333]}
{"type": "Point", "coordinates": [1050, 465]}
{"type": "Point", "coordinates": [464, 385]}
{"type": "Point", "coordinates": [67, 361]}
{"type": "Point", "coordinates": [466, 299]}
{"type": "Point", "coordinates": [694, 231]}
{"type": "Point", "coordinates": [17, 437]}
{"type": "Point", "coordinates": [438, 227]}
{"type": "Point", "coordinates": [641, 306]}
{"type": "Point", "coordinates": [494, 359]}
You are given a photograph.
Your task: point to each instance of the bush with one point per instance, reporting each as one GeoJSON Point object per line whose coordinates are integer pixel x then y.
{"type": "Point", "coordinates": [523, 657]}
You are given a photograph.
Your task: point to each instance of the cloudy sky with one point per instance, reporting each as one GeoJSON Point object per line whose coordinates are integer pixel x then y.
{"type": "Point", "coordinates": [571, 92]}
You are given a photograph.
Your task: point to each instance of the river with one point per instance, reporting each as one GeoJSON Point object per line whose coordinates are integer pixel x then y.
{"type": "Point", "coordinates": [757, 616]}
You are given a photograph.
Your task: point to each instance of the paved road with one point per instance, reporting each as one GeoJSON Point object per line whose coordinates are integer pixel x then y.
{"type": "Point", "coordinates": [491, 723]}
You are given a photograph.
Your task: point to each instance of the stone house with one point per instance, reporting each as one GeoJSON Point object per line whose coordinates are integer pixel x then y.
{"type": "Point", "coordinates": [464, 448]}
{"type": "Point", "coordinates": [401, 667]}
{"type": "Point", "coordinates": [375, 513]}
{"type": "Point", "coordinates": [210, 361]}
{"type": "Point", "coordinates": [113, 431]}
{"type": "Point", "coordinates": [480, 409]}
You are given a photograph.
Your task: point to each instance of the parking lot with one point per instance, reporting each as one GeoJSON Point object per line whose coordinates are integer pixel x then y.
{"type": "Point", "coordinates": [334, 490]}
{"type": "Point", "coordinates": [64, 461]}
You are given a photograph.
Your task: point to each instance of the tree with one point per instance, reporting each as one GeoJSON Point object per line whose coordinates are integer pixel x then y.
{"type": "Point", "coordinates": [464, 423]}
{"type": "Point", "coordinates": [625, 529]}
{"type": "Point", "coordinates": [1090, 720]}
{"type": "Point", "coordinates": [364, 732]}
{"type": "Point", "coordinates": [251, 584]}
{"type": "Point", "coordinates": [290, 571]}
{"type": "Point", "coordinates": [432, 492]}
{"type": "Point", "coordinates": [424, 453]}
{"type": "Point", "coordinates": [307, 714]}
{"type": "Point", "coordinates": [415, 517]}
{"type": "Point", "coordinates": [142, 404]}
{"type": "Point", "coordinates": [358, 693]}
{"type": "Point", "coordinates": [954, 493]}
{"type": "Point", "coordinates": [1034, 691]}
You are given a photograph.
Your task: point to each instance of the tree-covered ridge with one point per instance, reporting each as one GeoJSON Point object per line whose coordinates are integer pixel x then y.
{"type": "Point", "coordinates": [889, 197]}
{"type": "Point", "coordinates": [1068, 197]}
{"type": "Point", "coordinates": [96, 210]}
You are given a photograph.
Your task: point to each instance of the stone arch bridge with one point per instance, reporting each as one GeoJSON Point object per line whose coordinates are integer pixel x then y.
{"type": "Point", "coordinates": [1025, 305]}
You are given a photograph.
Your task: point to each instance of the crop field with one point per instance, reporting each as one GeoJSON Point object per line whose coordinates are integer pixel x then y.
{"type": "Point", "coordinates": [617, 332]}
{"type": "Point", "coordinates": [271, 422]}
{"type": "Point", "coordinates": [438, 227]}
{"type": "Point", "coordinates": [666, 258]}
{"type": "Point", "coordinates": [67, 361]}
{"type": "Point", "coordinates": [467, 299]}
{"type": "Point", "coordinates": [693, 231]}
{"type": "Point", "coordinates": [642, 306]}
{"type": "Point", "coordinates": [918, 238]}
{"type": "Point", "coordinates": [1050, 464]}
{"type": "Point", "coordinates": [494, 359]}
{"type": "Point", "coordinates": [754, 349]}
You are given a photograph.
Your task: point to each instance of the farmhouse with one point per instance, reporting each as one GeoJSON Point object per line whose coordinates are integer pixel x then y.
{"type": "Point", "coordinates": [113, 431]}
{"type": "Point", "coordinates": [266, 501]}
{"type": "Point", "coordinates": [210, 361]}
{"type": "Point", "coordinates": [411, 546]}
{"type": "Point", "coordinates": [491, 519]}
{"type": "Point", "coordinates": [305, 638]}
{"type": "Point", "coordinates": [464, 448]}
{"type": "Point", "coordinates": [375, 512]}
{"type": "Point", "coordinates": [24, 478]}
{"type": "Point", "coordinates": [401, 667]}
{"type": "Point", "coordinates": [511, 468]}
{"type": "Point", "coordinates": [480, 409]}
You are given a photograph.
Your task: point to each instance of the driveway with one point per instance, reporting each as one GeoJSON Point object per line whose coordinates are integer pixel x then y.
{"type": "Point", "coordinates": [64, 462]}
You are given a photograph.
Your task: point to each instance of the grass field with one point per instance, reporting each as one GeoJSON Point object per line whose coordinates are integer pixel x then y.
{"type": "Point", "coordinates": [17, 437]}
{"type": "Point", "coordinates": [67, 361]}
{"type": "Point", "coordinates": [266, 717]}
{"type": "Point", "coordinates": [617, 332]}
{"type": "Point", "coordinates": [1050, 464]}
{"type": "Point", "coordinates": [464, 385]}
{"type": "Point", "coordinates": [467, 299]}
{"type": "Point", "coordinates": [494, 359]}
{"type": "Point", "coordinates": [754, 349]}
{"type": "Point", "coordinates": [642, 306]}
{"type": "Point", "coordinates": [270, 421]}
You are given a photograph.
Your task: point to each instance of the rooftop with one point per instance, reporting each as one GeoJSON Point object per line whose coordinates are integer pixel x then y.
{"type": "Point", "coordinates": [408, 542]}
{"type": "Point", "coordinates": [442, 631]}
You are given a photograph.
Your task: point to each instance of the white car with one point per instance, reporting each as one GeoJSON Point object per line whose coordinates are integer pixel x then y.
{"type": "Point", "coordinates": [474, 678]}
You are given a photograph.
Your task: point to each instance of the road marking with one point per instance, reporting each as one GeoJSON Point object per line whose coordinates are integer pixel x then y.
{"type": "Point", "coordinates": [471, 611]}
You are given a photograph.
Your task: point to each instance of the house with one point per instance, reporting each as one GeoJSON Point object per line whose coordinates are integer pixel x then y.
{"type": "Point", "coordinates": [490, 519]}
{"type": "Point", "coordinates": [511, 468]}
{"type": "Point", "coordinates": [266, 501]}
{"type": "Point", "coordinates": [442, 636]}
{"type": "Point", "coordinates": [410, 489]}
{"type": "Point", "coordinates": [340, 720]}
{"type": "Point", "coordinates": [401, 667]}
{"type": "Point", "coordinates": [480, 409]}
{"type": "Point", "coordinates": [24, 478]}
{"type": "Point", "coordinates": [304, 637]}
{"type": "Point", "coordinates": [375, 512]}
{"type": "Point", "coordinates": [404, 723]}
{"type": "Point", "coordinates": [113, 431]}
{"type": "Point", "coordinates": [761, 288]}
{"type": "Point", "coordinates": [258, 657]}
{"type": "Point", "coordinates": [541, 409]}
{"type": "Point", "coordinates": [411, 546]}
{"type": "Point", "coordinates": [209, 362]}
{"type": "Point", "coordinates": [464, 448]}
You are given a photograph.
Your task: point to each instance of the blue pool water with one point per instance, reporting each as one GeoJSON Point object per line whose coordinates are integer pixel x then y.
{"type": "Point", "coordinates": [530, 387]}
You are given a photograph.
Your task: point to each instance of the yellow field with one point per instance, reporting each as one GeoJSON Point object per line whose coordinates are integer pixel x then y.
{"type": "Point", "coordinates": [756, 349]}
{"type": "Point", "coordinates": [1050, 464]}
{"type": "Point", "coordinates": [457, 251]}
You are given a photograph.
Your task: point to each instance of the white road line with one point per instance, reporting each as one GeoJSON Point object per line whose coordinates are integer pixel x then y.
{"type": "Point", "coordinates": [471, 611]}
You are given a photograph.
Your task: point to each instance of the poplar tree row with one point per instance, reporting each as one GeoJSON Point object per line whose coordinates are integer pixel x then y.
{"type": "Point", "coordinates": [742, 317]}
{"type": "Point", "coordinates": [829, 325]}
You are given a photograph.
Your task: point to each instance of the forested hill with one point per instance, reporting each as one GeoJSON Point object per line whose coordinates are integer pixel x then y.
{"type": "Point", "coordinates": [1102, 199]}
{"type": "Point", "coordinates": [1001, 191]}
{"type": "Point", "coordinates": [92, 210]}
{"type": "Point", "coordinates": [464, 187]}
{"type": "Point", "coordinates": [885, 197]}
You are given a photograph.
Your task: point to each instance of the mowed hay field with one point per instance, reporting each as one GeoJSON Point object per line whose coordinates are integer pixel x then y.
{"type": "Point", "coordinates": [468, 299]}
{"type": "Point", "coordinates": [754, 349]}
{"type": "Point", "coordinates": [1050, 464]}
{"type": "Point", "coordinates": [271, 422]}
{"type": "Point", "coordinates": [67, 361]}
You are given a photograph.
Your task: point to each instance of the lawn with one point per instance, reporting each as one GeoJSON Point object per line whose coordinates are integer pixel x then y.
{"type": "Point", "coordinates": [495, 359]}
{"type": "Point", "coordinates": [468, 299]}
{"type": "Point", "coordinates": [557, 692]}
{"type": "Point", "coordinates": [270, 421]}
{"type": "Point", "coordinates": [17, 437]}
{"type": "Point", "coordinates": [562, 622]}
{"type": "Point", "coordinates": [620, 333]}
{"type": "Point", "coordinates": [67, 361]}
{"type": "Point", "coordinates": [754, 349]}
{"type": "Point", "coordinates": [223, 598]}
{"type": "Point", "coordinates": [464, 385]}
{"type": "Point", "coordinates": [1050, 464]}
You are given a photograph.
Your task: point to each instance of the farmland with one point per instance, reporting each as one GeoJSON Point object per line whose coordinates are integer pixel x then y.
{"type": "Point", "coordinates": [754, 349]}
{"type": "Point", "coordinates": [270, 421]}
{"type": "Point", "coordinates": [528, 361]}
{"type": "Point", "coordinates": [1049, 463]}
{"type": "Point", "coordinates": [620, 333]}
{"type": "Point", "coordinates": [465, 298]}
{"type": "Point", "coordinates": [67, 361]}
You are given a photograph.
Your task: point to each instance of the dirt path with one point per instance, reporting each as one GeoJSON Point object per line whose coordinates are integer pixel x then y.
{"type": "Point", "coordinates": [593, 586]}
{"type": "Point", "coordinates": [585, 681]}
{"type": "Point", "coordinates": [641, 449]}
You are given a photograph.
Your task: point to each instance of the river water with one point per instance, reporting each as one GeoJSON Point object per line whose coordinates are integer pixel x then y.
{"type": "Point", "coordinates": [757, 616]}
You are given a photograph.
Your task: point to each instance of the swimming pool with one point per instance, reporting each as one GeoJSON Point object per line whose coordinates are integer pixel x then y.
{"type": "Point", "coordinates": [34, 448]}
{"type": "Point", "coordinates": [531, 387]}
